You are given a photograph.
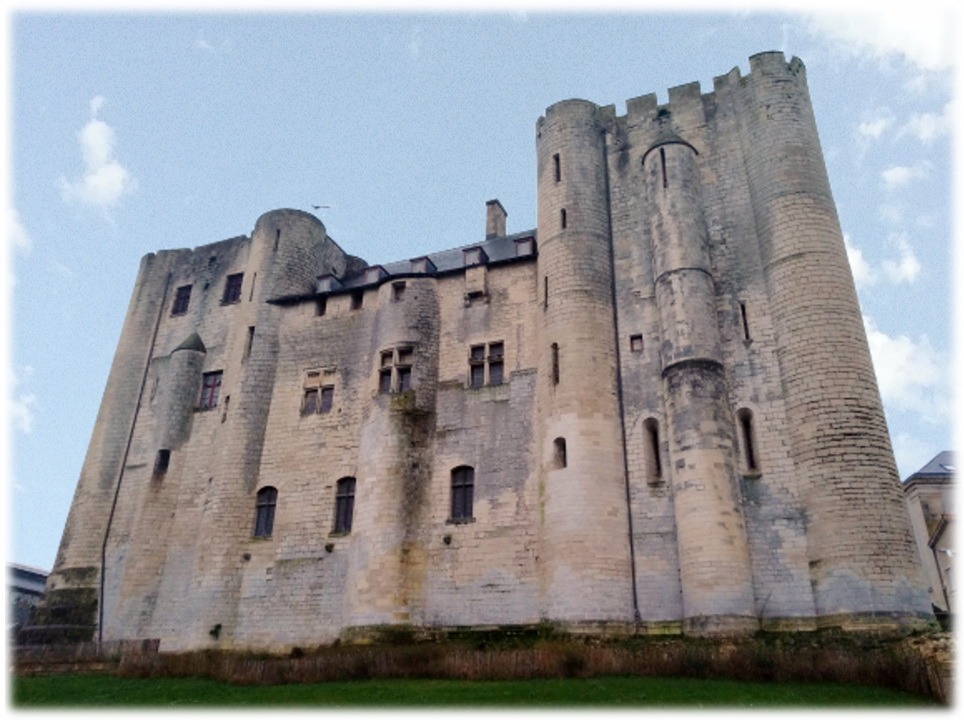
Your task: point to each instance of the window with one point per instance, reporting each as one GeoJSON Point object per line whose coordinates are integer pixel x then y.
{"type": "Point", "coordinates": [483, 365]}
{"type": "Point", "coordinates": [357, 298]}
{"type": "Point", "coordinates": [662, 164]}
{"type": "Point", "coordinates": [248, 343]}
{"type": "Point", "coordinates": [162, 462]}
{"type": "Point", "coordinates": [463, 484]}
{"type": "Point", "coordinates": [264, 512]}
{"type": "Point", "coordinates": [182, 299]}
{"type": "Point", "coordinates": [746, 325]}
{"type": "Point", "coordinates": [562, 218]}
{"type": "Point", "coordinates": [557, 167]}
{"type": "Point", "coordinates": [555, 363]}
{"type": "Point", "coordinates": [321, 306]}
{"type": "Point", "coordinates": [395, 370]}
{"type": "Point", "coordinates": [745, 419]}
{"type": "Point", "coordinates": [524, 247]}
{"type": "Point", "coordinates": [398, 291]}
{"type": "Point", "coordinates": [318, 395]}
{"type": "Point", "coordinates": [559, 453]}
{"type": "Point", "coordinates": [232, 289]}
{"type": "Point", "coordinates": [636, 343]}
{"type": "Point", "coordinates": [210, 389]}
{"type": "Point", "coordinates": [654, 466]}
{"type": "Point", "coordinates": [344, 504]}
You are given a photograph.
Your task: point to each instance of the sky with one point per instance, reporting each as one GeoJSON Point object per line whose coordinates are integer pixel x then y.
{"type": "Point", "coordinates": [130, 132]}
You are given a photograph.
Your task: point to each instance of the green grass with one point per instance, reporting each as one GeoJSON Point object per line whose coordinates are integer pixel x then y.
{"type": "Point", "coordinates": [95, 690]}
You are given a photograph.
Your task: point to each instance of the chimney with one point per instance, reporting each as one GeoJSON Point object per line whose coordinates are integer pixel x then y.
{"type": "Point", "coordinates": [494, 219]}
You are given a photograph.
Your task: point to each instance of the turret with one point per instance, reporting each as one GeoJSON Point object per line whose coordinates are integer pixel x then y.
{"type": "Point", "coordinates": [578, 422]}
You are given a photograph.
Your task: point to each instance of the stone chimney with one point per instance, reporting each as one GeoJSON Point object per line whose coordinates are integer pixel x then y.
{"type": "Point", "coordinates": [494, 219]}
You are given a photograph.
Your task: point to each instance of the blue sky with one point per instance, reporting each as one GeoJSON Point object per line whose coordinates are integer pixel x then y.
{"type": "Point", "coordinates": [133, 132]}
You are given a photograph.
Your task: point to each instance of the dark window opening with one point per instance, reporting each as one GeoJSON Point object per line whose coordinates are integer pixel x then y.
{"type": "Point", "coordinates": [398, 291]}
{"type": "Point", "coordinates": [654, 465]}
{"type": "Point", "coordinates": [182, 299]}
{"type": "Point", "coordinates": [232, 289]}
{"type": "Point", "coordinates": [562, 217]}
{"type": "Point", "coordinates": [357, 298]}
{"type": "Point", "coordinates": [344, 504]}
{"type": "Point", "coordinates": [404, 379]}
{"type": "Point", "coordinates": [254, 280]}
{"type": "Point", "coordinates": [385, 382]}
{"type": "Point", "coordinates": [463, 486]}
{"type": "Point", "coordinates": [210, 389]}
{"type": "Point", "coordinates": [662, 164]}
{"type": "Point", "coordinates": [224, 413]}
{"type": "Point", "coordinates": [162, 462]}
{"type": "Point", "coordinates": [309, 404]}
{"type": "Point", "coordinates": [321, 306]}
{"type": "Point", "coordinates": [248, 343]}
{"type": "Point", "coordinates": [405, 356]}
{"type": "Point", "coordinates": [555, 363]}
{"type": "Point", "coordinates": [545, 292]}
{"type": "Point", "coordinates": [277, 237]}
{"type": "Point", "coordinates": [557, 163]}
{"type": "Point", "coordinates": [495, 373]}
{"type": "Point", "coordinates": [264, 512]}
{"type": "Point", "coordinates": [745, 418]}
{"type": "Point", "coordinates": [636, 343]}
{"type": "Point", "coordinates": [559, 452]}
{"type": "Point", "coordinates": [327, 398]}
{"type": "Point", "coordinates": [477, 375]}
{"type": "Point", "coordinates": [746, 325]}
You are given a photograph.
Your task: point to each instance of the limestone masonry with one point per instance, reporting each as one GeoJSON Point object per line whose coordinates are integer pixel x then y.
{"type": "Point", "coordinates": [654, 413]}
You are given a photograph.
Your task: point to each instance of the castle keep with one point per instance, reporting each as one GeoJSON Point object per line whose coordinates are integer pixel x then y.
{"type": "Point", "coordinates": [656, 412]}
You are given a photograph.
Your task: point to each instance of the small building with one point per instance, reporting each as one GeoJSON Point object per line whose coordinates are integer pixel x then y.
{"type": "Point", "coordinates": [26, 588]}
{"type": "Point", "coordinates": [929, 494]}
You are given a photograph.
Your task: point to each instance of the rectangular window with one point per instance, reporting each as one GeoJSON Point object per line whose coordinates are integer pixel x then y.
{"type": "Point", "coordinates": [486, 364]}
{"type": "Point", "coordinates": [398, 291]}
{"type": "Point", "coordinates": [636, 343]}
{"type": "Point", "coordinates": [385, 381]}
{"type": "Point", "coordinates": [232, 289]}
{"type": "Point", "coordinates": [248, 343]}
{"type": "Point", "coordinates": [404, 379]}
{"type": "Point", "coordinates": [210, 389]}
{"type": "Point", "coordinates": [344, 505]}
{"type": "Point", "coordinates": [321, 306]}
{"type": "Point", "coordinates": [463, 486]}
{"type": "Point", "coordinates": [477, 375]}
{"type": "Point", "coordinates": [309, 404]}
{"type": "Point", "coordinates": [395, 370]}
{"type": "Point", "coordinates": [557, 163]}
{"type": "Point", "coordinates": [555, 363]}
{"type": "Point", "coordinates": [162, 462]}
{"type": "Point", "coordinates": [327, 397]}
{"type": "Point", "coordinates": [357, 298]}
{"type": "Point", "coordinates": [182, 299]}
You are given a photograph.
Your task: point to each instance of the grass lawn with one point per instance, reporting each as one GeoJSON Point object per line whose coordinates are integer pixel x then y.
{"type": "Point", "coordinates": [92, 690]}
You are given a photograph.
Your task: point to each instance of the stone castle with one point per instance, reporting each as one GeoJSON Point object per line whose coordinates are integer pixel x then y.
{"type": "Point", "coordinates": [654, 413]}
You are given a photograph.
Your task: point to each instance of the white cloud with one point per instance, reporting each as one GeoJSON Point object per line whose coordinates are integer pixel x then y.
{"type": "Point", "coordinates": [874, 128]}
{"type": "Point", "coordinates": [897, 176]}
{"type": "Point", "coordinates": [104, 180]}
{"type": "Point", "coordinates": [205, 45]}
{"type": "Point", "coordinates": [907, 268]}
{"type": "Point", "coordinates": [922, 37]}
{"type": "Point", "coordinates": [909, 373]}
{"type": "Point", "coordinates": [16, 233]}
{"type": "Point", "coordinates": [927, 127]}
{"type": "Point", "coordinates": [864, 274]}
{"type": "Point", "coordinates": [891, 213]}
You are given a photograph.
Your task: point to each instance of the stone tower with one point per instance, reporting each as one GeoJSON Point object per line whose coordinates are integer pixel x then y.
{"type": "Point", "coordinates": [655, 413]}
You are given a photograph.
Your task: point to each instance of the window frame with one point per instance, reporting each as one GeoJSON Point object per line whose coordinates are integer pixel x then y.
{"type": "Point", "coordinates": [344, 505]}
{"type": "Point", "coordinates": [266, 503]}
{"type": "Point", "coordinates": [210, 390]}
{"type": "Point", "coordinates": [232, 288]}
{"type": "Point", "coordinates": [182, 300]}
{"type": "Point", "coordinates": [462, 494]}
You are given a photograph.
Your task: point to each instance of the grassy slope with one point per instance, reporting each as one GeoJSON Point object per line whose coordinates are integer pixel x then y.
{"type": "Point", "coordinates": [103, 690]}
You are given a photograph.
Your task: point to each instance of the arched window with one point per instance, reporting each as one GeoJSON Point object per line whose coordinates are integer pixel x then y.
{"type": "Point", "coordinates": [463, 486]}
{"type": "Point", "coordinates": [559, 452]}
{"type": "Point", "coordinates": [654, 465]}
{"type": "Point", "coordinates": [748, 440]}
{"type": "Point", "coordinates": [264, 511]}
{"type": "Point", "coordinates": [344, 504]}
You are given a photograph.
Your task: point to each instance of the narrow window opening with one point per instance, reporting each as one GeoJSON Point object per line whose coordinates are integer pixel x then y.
{"type": "Point", "coordinates": [327, 398]}
{"type": "Point", "coordinates": [745, 418]}
{"type": "Point", "coordinates": [162, 462]}
{"type": "Point", "coordinates": [404, 379]}
{"type": "Point", "coordinates": [265, 504]}
{"type": "Point", "coordinates": [555, 363]}
{"type": "Point", "coordinates": [321, 306]}
{"type": "Point", "coordinates": [496, 354]}
{"type": "Point", "coordinates": [344, 504]}
{"type": "Point", "coordinates": [662, 164]}
{"type": "Point", "coordinates": [398, 291]}
{"type": "Point", "coordinates": [357, 298]}
{"type": "Point", "coordinates": [562, 218]}
{"type": "Point", "coordinates": [277, 237]}
{"type": "Point", "coordinates": [254, 280]}
{"type": "Point", "coordinates": [559, 454]}
{"type": "Point", "coordinates": [463, 486]}
{"type": "Point", "coordinates": [385, 381]}
{"type": "Point", "coordinates": [309, 404]}
{"type": "Point", "coordinates": [636, 343]}
{"type": "Point", "coordinates": [232, 289]}
{"type": "Point", "coordinates": [545, 292]}
{"type": "Point", "coordinates": [654, 465]}
{"type": "Point", "coordinates": [558, 167]}
{"type": "Point", "coordinates": [746, 324]}
{"type": "Point", "coordinates": [210, 388]}
{"type": "Point", "coordinates": [248, 343]}
{"type": "Point", "coordinates": [182, 300]}
{"type": "Point", "coordinates": [224, 411]}
{"type": "Point", "coordinates": [477, 366]}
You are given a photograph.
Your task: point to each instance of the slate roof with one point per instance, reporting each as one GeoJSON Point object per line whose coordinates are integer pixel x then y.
{"type": "Point", "coordinates": [939, 467]}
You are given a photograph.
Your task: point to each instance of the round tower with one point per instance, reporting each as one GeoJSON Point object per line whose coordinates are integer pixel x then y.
{"type": "Point", "coordinates": [179, 393]}
{"type": "Point", "coordinates": [714, 560]}
{"type": "Point", "coordinates": [387, 556]}
{"type": "Point", "coordinates": [582, 477]}
{"type": "Point", "coordinates": [862, 559]}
